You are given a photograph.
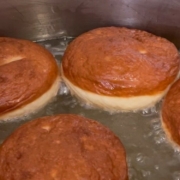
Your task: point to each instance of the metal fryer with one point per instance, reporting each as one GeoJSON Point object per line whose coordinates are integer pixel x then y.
{"type": "Point", "coordinates": [54, 23]}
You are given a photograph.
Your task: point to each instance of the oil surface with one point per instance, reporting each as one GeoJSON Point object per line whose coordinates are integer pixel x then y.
{"type": "Point", "coordinates": [150, 155]}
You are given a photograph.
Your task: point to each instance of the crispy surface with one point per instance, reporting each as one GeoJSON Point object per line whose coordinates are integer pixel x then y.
{"type": "Point", "coordinates": [63, 147]}
{"type": "Point", "coordinates": [121, 62]}
{"type": "Point", "coordinates": [27, 70]}
{"type": "Point", "coordinates": [171, 113]}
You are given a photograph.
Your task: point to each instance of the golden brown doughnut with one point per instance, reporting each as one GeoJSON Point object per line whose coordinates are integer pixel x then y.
{"type": "Point", "coordinates": [171, 113]}
{"type": "Point", "coordinates": [29, 77]}
{"type": "Point", "coordinates": [120, 68]}
{"type": "Point", "coordinates": [66, 147]}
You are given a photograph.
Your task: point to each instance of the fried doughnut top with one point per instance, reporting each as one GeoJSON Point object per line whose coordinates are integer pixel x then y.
{"type": "Point", "coordinates": [27, 70]}
{"type": "Point", "coordinates": [117, 61]}
{"type": "Point", "coordinates": [66, 147]}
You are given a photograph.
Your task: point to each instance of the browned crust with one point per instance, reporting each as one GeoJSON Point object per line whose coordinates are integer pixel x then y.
{"type": "Point", "coordinates": [63, 147]}
{"type": "Point", "coordinates": [26, 78]}
{"type": "Point", "coordinates": [121, 62]}
{"type": "Point", "coordinates": [171, 113]}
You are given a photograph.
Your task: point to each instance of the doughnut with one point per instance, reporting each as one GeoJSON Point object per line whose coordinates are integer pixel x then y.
{"type": "Point", "coordinates": [120, 69]}
{"type": "Point", "coordinates": [29, 77]}
{"type": "Point", "coordinates": [170, 114]}
{"type": "Point", "coordinates": [66, 147]}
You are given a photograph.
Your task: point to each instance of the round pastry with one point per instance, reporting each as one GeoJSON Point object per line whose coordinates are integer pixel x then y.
{"type": "Point", "coordinates": [171, 113]}
{"type": "Point", "coordinates": [29, 77]}
{"type": "Point", "coordinates": [119, 68]}
{"type": "Point", "coordinates": [66, 147]}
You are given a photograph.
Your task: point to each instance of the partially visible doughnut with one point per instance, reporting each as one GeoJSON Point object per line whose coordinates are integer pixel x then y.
{"type": "Point", "coordinates": [66, 147]}
{"type": "Point", "coordinates": [171, 114]}
{"type": "Point", "coordinates": [29, 77]}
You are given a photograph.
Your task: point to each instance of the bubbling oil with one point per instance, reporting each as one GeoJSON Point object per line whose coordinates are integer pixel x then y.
{"type": "Point", "coordinates": [150, 156]}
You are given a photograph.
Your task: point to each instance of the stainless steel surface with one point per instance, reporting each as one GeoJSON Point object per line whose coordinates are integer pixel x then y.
{"type": "Point", "coordinates": [44, 19]}
{"type": "Point", "coordinates": [150, 156]}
